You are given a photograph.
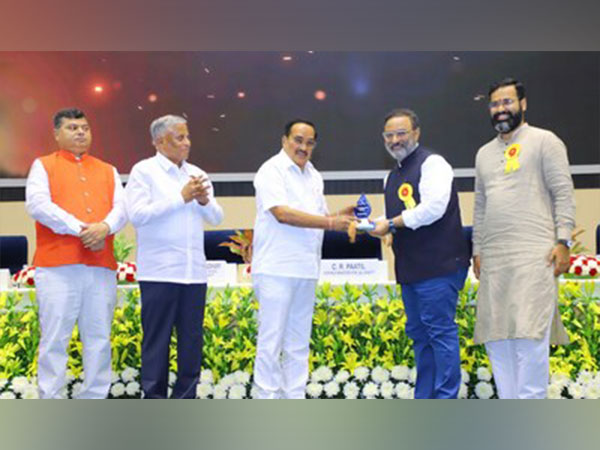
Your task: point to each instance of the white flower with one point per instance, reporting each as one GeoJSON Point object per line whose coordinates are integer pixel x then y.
{"type": "Point", "coordinates": [463, 392]}
{"type": "Point", "coordinates": [241, 377]}
{"type": "Point", "coordinates": [592, 391]}
{"type": "Point", "coordinates": [7, 395]}
{"type": "Point", "coordinates": [361, 373]}
{"type": "Point", "coordinates": [203, 390]}
{"type": "Point", "coordinates": [132, 388]}
{"type": "Point", "coordinates": [206, 376]}
{"type": "Point", "coordinates": [254, 392]}
{"type": "Point", "coordinates": [314, 390]}
{"type": "Point", "coordinates": [114, 377]}
{"type": "Point", "coordinates": [19, 384]}
{"type": "Point", "coordinates": [351, 390]}
{"type": "Point", "coordinates": [554, 391]}
{"type": "Point", "coordinates": [3, 382]}
{"type": "Point", "coordinates": [70, 377]}
{"type": "Point", "coordinates": [561, 379]}
{"type": "Point", "coordinates": [584, 377]}
{"type": "Point", "coordinates": [129, 374]}
{"type": "Point", "coordinates": [342, 376]}
{"type": "Point", "coordinates": [220, 392]}
{"type": "Point", "coordinates": [484, 374]}
{"type": "Point", "coordinates": [465, 377]}
{"type": "Point", "coordinates": [370, 390]}
{"type": "Point", "coordinates": [76, 389]}
{"type": "Point", "coordinates": [63, 392]}
{"type": "Point", "coordinates": [30, 393]}
{"type": "Point", "coordinates": [172, 378]}
{"type": "Point", "coordinates": [412, 377]}
{"type": "Point", "coordinates": [322, 374]}
{"type": "Point", "coordinates": [117, 390]}
{"type": "Point", "coordinates": [400, 373]}
{"type": "Point", "coordinates": [576, 390]}
{"type": "Point", "coordinates": [380, 375]}
{"type": "Point", "coordinates": [387, 389]}
{"type": "Point", "coordinates": [237, 392]}
{"type": "Point", "coordinates": [403, 390]}
{"type": "Point", "coordinates": [228, 380]}
{"type": "Point", "coordinates": [331, 389]}
{"type": "Point", "coordinates": [484, 390]}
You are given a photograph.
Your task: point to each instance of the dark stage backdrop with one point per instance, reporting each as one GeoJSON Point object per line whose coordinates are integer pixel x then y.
{"type": "Point", "coordinates": [238, 102]}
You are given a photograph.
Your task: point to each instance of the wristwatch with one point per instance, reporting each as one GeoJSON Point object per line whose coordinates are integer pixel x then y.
{"type": "Point", "coordinates": [391, 227]}
{"type": "Point", "coordinates": [565, 242]}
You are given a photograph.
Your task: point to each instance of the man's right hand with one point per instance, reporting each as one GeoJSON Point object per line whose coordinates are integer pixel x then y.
{"type": "Point", "coordinates": [192, 189]}
{"type": "Point", "coordinates": [477, 266]}
{"type": "Point", "coordinates": [341, 222]}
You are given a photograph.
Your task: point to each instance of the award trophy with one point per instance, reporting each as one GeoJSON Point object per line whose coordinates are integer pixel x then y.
{"type": "Point", "coordinates": [362, 211]}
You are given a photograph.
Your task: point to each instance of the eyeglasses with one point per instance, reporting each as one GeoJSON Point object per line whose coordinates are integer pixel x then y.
{"type": "Point", "coordinates": [389, 135]}
{"type": "Point", "coordinates": [503, 102]}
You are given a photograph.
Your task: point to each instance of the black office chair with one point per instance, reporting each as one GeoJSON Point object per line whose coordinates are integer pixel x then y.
{"type": "Point", "coordinates": [212, 239]}
{"type": "Point", "coordinates": [13, 253]}
{"type": "Point", "coordinates": [336, 245]}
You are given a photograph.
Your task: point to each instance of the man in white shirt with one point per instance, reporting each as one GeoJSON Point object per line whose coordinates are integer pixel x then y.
{"type": "Point", "coordinates": [290, 218]}
{"type": "Point", "coordinates": [168, 201]}
{"type": "Point", "coordinates": [430, 250]}
{"type": "Point", "coordinates": [78, 205]}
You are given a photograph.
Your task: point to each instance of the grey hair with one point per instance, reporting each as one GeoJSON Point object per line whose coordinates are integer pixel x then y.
{"type": "Point", "coordinates": [159, 127]}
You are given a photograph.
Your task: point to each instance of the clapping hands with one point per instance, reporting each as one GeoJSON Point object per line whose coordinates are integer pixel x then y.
{"type": "Point", "coordinates": [196, 189]}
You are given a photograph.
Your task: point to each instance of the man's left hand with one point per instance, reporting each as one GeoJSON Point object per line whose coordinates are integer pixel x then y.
{"type": "Point", "coordinates": [202, 192]}
{"type": "Point", "coordinates": [560, 257]}
{"type": "Point", "coordinates": [381, 228]}
{"type": "Point", "coordinates": [93, 235]}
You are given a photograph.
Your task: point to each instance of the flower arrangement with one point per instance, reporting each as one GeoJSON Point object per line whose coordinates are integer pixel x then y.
{"type": "Point", "coordinates": [241, 244]}
{"type": "Point", "coordinates": [126, 272]}
{"type": "Point", "coordinates": [24, 277]}
{"type": "Point", "coordinates": [584, 266]}
{"type": "Point", "coordinates": [358, 345]}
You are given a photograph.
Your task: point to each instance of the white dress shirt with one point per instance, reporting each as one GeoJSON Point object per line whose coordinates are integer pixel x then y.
{"type": "Point", "coordinates": [280, 249]}
{"type": "Point", "coordinates": [435, 187]}
{"type": "Point", "coordinates": [39, 205]}
{"type": "Point", "coordinates": [170, 232]}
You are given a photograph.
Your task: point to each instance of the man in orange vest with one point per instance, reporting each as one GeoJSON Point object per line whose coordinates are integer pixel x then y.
{"type": "Point", "coordinates": [77, 202]}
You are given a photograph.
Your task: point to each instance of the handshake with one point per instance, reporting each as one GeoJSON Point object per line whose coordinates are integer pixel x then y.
{"type": "Point", "coordinates": [196, 189]}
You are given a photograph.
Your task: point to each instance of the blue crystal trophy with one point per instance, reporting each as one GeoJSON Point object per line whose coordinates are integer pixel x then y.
{"type": "Point", "coordinates": [362, 211]}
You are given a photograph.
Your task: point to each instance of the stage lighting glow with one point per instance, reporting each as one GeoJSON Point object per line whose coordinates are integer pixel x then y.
{"type": "Point", "coordinates": [98, 89]}
{"type": "Point", "coordinates": [320, 95]}
{"type": "Point", "coordinates": [287, 58]}
{"type": "Point", "coordinates": [152, 98]}
{"type": "Point", "coordinates": [241, 94]}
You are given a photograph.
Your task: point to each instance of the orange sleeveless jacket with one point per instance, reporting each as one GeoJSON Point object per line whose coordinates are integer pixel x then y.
{"type": "Point", "coordinates": [84, 188]}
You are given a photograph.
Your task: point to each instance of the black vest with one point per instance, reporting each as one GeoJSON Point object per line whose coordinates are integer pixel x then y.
{"type": "Point", "coordinates": [430, 251]}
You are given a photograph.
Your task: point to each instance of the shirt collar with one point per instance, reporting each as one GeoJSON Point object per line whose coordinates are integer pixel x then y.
{"type": "Point", "coordinates": [71, 157]}
{"type": "Point", "coordinates": [288, 163]}
{"type": "Point", "coordinates": [169, 165]}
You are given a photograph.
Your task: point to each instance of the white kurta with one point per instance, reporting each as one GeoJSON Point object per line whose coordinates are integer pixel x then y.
{"type": "Point", "coordinates": [518, 217]}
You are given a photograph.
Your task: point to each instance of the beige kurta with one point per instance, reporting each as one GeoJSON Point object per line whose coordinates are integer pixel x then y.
{"type": "Point", "coordinates": [518, 217]}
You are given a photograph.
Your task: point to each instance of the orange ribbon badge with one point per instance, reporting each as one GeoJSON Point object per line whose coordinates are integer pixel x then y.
{"type": "Point", "coordinates": [405, 193]}
{"type": "Point", "coordinates": [512, 158]}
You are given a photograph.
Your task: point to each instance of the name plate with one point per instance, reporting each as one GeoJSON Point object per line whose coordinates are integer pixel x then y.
{"type": "Point", "coordinates": [221, 272]}
{"type": "Point", "coordinates": [354, 271]}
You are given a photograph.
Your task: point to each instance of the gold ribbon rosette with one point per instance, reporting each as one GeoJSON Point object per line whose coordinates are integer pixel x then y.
{"type": "Point", "coordinates": [405, 193]}
{"type": "Point", "coordinates": [512, 158]}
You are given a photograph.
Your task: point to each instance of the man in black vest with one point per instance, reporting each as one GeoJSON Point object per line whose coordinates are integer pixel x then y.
{"type": "Point", "coordinates": [431, 254]}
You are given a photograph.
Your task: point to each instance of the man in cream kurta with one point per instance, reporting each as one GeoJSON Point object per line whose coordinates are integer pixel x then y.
{"type": "Point", "coordinates": [523, 219]}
